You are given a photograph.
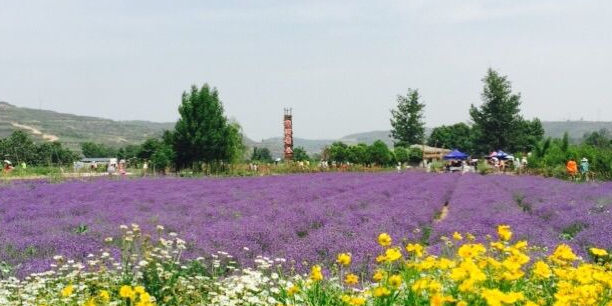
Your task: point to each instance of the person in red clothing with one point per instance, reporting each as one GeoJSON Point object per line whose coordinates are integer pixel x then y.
{"type": "Point", "coordinates": [572, 168]}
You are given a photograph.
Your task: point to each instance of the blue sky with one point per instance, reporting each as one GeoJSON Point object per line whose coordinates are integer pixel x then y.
{"type": "Point", "coordinates": [338, 64]}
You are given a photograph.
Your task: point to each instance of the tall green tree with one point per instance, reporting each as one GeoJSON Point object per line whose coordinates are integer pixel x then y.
{"type": "Point", "coordinates": [497, 122]}
{"type": "Point", "coordinates": [407, 121]}
{"type": "Point", "coordinates": [203, 134]}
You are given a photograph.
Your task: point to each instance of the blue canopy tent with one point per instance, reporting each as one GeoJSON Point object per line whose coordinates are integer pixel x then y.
{"type": "Point", "coordinates": [502, 155]}
{"type": "Point", "coordinates": [455, 154]}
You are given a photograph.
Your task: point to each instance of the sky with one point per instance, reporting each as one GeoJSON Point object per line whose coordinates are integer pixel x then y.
{"type": "Point", "coordinates": [338, 64]}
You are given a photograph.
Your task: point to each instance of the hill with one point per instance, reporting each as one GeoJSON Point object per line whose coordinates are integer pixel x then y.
{"type": "Point", "coordinates": [575, 129]}
{"type": "Point", "coordinates": [71, 130]}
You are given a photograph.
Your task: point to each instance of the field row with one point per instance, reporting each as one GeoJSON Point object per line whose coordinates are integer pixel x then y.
{"type": "Point", "coordinates": [304, 218]}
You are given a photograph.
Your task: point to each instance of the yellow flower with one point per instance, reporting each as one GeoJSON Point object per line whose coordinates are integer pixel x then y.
{"type": "Point", "coordinates": [563, 254]}
{"type": "Point", "coordinates": [104, 295]}
{"type": "Point", "coordinates": [384, 239]}
{"type": "Point", "coordinates": [139, 289]}
{"type": "Point", "coordinates": [344, 259]}
{"type": "Point", "coordinates": [145, 297]}
{"type": "Point", "coordinates": [378, 276]}
{"type": "Point", "coordinates": [504, 232]}
{"type": "Point", "coordinates": [495, 297]}
{"type": "Point", "coordinates": [470, 250]}
{"type": "Point", "coordinates": [346, 298]}
{"type": "Point", "coordinates": [434, 287]}
{"type": "Point", "coordinates": [126, 292]}
{"type": "Point", "coordinates": [541, 270]}
{"type": "Point", "coordinates": [457, 236]}
{"type": "Point", "coordinates": [462, 303]}
{"type": "Point", "coordinates": [393, 254]}
{"type": "Point", "coordinates": [90, 302]}
{"type": "Point", "coordinates": [440, 300]}
{"type": "Point", "coordinates": [395, 281]}
{"type": "Point", "coordinates": [351, 279]}
{"type": "Point", "coordinates": [380, 258]}
{"type": "Point", "coordinates": [315, 273]}
{"type": "Point", "coordinates": [67, 291]}
{"type": "Point", "coordinates": [419, 285]}
{"type": "Point", "coordinates": [598, 252]}
{"type": "Point", "coordinates": [381, 292]}
{"type": "Point", "coordinates": [469, 237]}
{"type": "Point", "coordinates": [521, 245]}
{"type": "Point", "coordinates": [357, 301]}
{"type": "Point", "coordinates": [416, 248]}
{"type": "Point", "coordinates": [292, 290]}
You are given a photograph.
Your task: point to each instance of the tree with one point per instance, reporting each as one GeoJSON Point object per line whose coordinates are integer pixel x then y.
{"type": "Point", "coordinates": [299, 154]}
{"type": "Point", "coordinates": [401, 154]}
{"type": "Point", "coordinates": [148, 148]}
{"type": "Point", "coordinates": [456, 136]}
{"type": "Point", "coordinates": [359, 154]}
{"type": "Point", "coordinates": [565, 142]}
{"type": "Point", "coordinates": [202, 133]}
{"type": "Point", "coordinates": [415, 155]}
{"type": "Point", "coordinates": [90, 149]}
{"type": "Point", "coordinates": [52, 153]}
{"type": "Point", "coordinates": [408, 126]}
{"type": "Point", "coordinates": [497, 122]}
{"type": "Point", "coordinates": [261, 155]}
{"type": "Point", "coordinates": [600, 139]}
{"type": "Point", "coordinates": [162, 157]}
{"type": "Point", "coordinates": [380, 153]}
{"type": "Point", "coordinates": [18, 148]}
{"type": "Point", "coordinates": [527, 133]}
{"type": "Point", "coordinates": [338, 152]}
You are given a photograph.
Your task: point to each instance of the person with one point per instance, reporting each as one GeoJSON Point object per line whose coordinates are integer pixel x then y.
{"type": "Point", "coordinates": [145, 166]}
{"type": "Point", "coordinates": [111, 169]}
{"type": "Point", "coordinates": [584, 169]}
{"type": "Point", "coordinates": [121, 167]}
{"type": "Point", "coordinates": [7, 166]}
{"type": "Point", "coordinates": [571, 168]}
{"type": "Point", "coordinates": [24, 165]}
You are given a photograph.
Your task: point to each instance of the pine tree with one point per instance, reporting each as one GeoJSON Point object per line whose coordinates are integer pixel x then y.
{"type": "Point", "coordinates": [497, 121]}
{"type": "Point", "coordinates": [408, 126]}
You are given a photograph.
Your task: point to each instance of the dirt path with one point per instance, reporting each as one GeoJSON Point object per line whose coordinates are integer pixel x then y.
{"type": "Point", "coordinates": [35, 131]}
{"type": "Point", "coordinates": [443, 214]}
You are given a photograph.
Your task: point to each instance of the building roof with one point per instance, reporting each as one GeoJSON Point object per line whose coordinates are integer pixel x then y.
{"type": "Point", "coordinates": [96, 159]}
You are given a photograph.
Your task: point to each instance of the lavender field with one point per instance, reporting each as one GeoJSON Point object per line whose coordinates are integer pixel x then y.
{"type": "Point", "coordinates": [305, 218]}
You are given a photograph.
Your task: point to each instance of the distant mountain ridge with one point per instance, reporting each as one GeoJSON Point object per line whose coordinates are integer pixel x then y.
{"type": "Point", "coordinates": [45, 125]}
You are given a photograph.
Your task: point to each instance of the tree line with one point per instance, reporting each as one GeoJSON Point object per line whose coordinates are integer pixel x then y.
{"type": "Point", "coordinates": [495, 125]}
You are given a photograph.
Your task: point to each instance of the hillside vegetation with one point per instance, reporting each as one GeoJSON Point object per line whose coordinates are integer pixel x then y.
{"type": "Point", "coordinates": [72, 130]}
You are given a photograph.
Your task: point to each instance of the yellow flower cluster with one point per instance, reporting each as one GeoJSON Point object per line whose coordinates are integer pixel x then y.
{"type": "Point", "coordinates": [497, 273]}
{"type": "Point", "coordinates": [138, 296]}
